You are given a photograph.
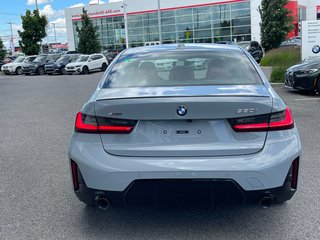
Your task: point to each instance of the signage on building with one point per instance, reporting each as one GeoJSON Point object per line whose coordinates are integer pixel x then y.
{"type": "Point", "coordinates": [98, 14]}
{"type": "Point", "coordinates": [310, 48]}
{"type": "Point", "coordinates": [318, 12]}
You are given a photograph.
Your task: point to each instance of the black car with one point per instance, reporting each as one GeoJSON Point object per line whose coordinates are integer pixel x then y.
{"type": "Point", "coordinates": [254, 48]}
{"type": "Point", "coordinates": [59, 65]}
{"type": "Point", "coordinates": [37, 65]}
{"type": "Point", "coordinates": [304, 76]}
{"type": "Point", "coordinates": [72, 52]}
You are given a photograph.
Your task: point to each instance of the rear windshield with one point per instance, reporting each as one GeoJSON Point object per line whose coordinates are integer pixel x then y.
{"type": "Point", "coordinates": [182, 69]}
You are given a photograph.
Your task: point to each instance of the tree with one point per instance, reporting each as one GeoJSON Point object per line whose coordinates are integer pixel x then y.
{"type": "Point", "coordinates": [2, 51]}
{"type": "Point", "coordinates": [88, 37]}
{"type": "Point", "coordinates": [276, 23]}
{"type": "Point", "coordinates": [34, 26]}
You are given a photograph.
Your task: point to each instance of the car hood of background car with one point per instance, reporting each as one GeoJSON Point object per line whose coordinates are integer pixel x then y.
{"type": "Point", "coordinates": [304, 66]}
{"type": "Point", "coordinates": [75, 64]}
{"type": "Point", "coordinates": [13, 64]}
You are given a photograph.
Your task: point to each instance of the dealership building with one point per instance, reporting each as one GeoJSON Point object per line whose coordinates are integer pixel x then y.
{"type": "Point", "coordinates": [174, 21]}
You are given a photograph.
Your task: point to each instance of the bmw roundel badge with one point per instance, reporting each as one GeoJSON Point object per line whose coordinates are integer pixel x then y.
{"type": "Point", "coordinates": [182, 110]}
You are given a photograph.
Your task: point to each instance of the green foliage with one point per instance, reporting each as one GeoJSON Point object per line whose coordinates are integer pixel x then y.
{"type": "Point", "coordinates": [88, 37]}
{"type": "Point", "coordinates": [278, 74]}
{"type": "Point", "coordinates": [34, 26]}
{"type": "Point", "coordinates": [276, 23]}
{"type": "Point", "coordinates": [2, 51]}
{"type": "Point", "coordinates": [280, 59]}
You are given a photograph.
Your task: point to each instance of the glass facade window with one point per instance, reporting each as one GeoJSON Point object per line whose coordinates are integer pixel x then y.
{"type": "Point", "coordinates": [213, 23]}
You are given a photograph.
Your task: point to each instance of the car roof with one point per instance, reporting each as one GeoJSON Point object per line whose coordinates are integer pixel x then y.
{"type": "Point", "coordinates": [181, 46]}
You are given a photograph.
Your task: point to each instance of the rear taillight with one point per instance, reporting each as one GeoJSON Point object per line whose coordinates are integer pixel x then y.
{"type": "Point", "coordinates": [75, 179]}
{"type": "Point", "coordinates": [276, 121]}
{"type": "Point", "coordinates": [91, 124]}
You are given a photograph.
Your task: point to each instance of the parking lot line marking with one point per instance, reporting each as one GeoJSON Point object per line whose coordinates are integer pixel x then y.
{"type": "Point", "coordinates": [275, 83]}
{"type": "Point", "coordinates": [307, 99]}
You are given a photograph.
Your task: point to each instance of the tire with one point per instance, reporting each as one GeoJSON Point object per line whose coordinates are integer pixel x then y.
{"type": "Point", "coordinates": [85, 70]}
{"type": "Point", "coordinates": [18, 70]}
{"type": "Point", "coordinates": [7, 73]}
{"type": "Point", "coordinates": [40, 71]}
{"type": "Point", "coordinates": [63, 71]}
{"type": "Point", "coordinates": [103, 67]}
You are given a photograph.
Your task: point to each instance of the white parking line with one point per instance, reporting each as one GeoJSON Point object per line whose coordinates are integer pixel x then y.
{"type": "Point", "coordinates": [276, 83]}
{"type": "Point", "coordinates": [307, 99]}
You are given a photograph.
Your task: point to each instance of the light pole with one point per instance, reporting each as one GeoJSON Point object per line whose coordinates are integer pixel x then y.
{"type": "Point", "coordinates": [12, 39]}
{"type": "Point", "coordinates": [125, 17]}
{"type": "Point", "coordinates": [37, 5]}
{"type": "Point", "coordinates": [159, 23]}
{"type": "Point", "coordinates": [55, 35]}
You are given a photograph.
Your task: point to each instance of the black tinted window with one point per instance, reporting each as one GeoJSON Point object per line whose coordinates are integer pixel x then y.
{"type": "Point", "coordinates": [182, 69]}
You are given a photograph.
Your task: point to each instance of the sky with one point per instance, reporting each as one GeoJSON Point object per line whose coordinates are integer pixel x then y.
{"type": "Point", "coordinates": [11, 11]}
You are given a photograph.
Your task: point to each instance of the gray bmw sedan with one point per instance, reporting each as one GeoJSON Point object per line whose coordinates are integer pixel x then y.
{"type": "Point", "coordinates": [184, 121]}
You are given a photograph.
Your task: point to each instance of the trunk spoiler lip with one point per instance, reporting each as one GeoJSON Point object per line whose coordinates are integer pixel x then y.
{"type": "Point", "coordinates": [178, 96]}
{"type": "Point", "coordinates": [175, 92]}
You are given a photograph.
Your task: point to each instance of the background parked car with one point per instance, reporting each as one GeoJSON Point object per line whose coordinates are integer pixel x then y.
{"type": "Point", "coordinates": [87, 63]}
{"type": "Point", "coordinates": [16, 65]}
{"type": "Point", "coordinates": [292, 42]}
{"type": "Point", "coordinates": [59, 66]}
{"type": "Point", "coordinates": [304, 76]}
{"type": "Point", "coordinates": [110, 55]}
{"type": "Point", "coordinates": [72, 52]}
{"type": "Point", "coordinates": [227, 42]}
{"type": "Point", "coordinates": [37, 65]}
{"type": "Point", "coordinates": [1, 64]}
{"type": "Point", "coordinates": [254, 48]}
{"type": "Point", "coordinates": [9, 59]}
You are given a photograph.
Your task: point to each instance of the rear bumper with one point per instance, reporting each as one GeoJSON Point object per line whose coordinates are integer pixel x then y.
{"type": "Point", "coordinates": [266, 169]}
{"type": "Point", "coordinates": [184, 191]}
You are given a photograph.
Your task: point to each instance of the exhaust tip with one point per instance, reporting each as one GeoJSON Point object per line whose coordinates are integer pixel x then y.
{"type": "Point", "coordinates": [266, 201]}
{"type": "Point", "coordinates": [102, 202]}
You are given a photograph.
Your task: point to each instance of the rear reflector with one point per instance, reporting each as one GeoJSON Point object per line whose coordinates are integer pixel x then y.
{"type": "Point", "coordinates": [276, 121]}
{"type": "Point", "coordinates": [294, 173]}
{"type": "Point", "coordinates": [74, 171]}
{"type": "Point", "coordinates": [91, 124]}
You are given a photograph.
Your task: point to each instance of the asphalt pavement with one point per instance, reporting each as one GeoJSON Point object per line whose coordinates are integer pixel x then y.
{"type": "Point", "coordinates": [36, 199]}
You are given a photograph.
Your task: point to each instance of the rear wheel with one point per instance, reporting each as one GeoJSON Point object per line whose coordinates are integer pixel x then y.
{"type": "Point", "coordinates": [40, 71]}
{"type": "Point", "coordinates": [103, 67]}
{"type": "Point", "coordinates": [85, 70]}
{"type": "Point", "coordinates": [19, 71]}
{"type": "Point", "coordinates": [63, 71]}
{"type": "Point", "coordinates": [6, 73]}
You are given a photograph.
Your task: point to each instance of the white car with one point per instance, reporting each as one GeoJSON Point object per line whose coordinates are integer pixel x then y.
{"type": "Point", "coordinates": [87, 63]}
{"type": "Point", "coordinates": [16, 66]}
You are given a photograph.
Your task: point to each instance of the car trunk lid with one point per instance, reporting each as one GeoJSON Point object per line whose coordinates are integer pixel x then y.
{"type": "Point", "coordinates": [203, 131]}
